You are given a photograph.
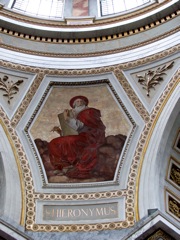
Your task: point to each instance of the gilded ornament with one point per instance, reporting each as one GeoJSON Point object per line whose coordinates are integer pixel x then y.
{"type": "Point", "coordinates": [152, 78]}
{"type": "Point", "coordinates": [174, 207]}
{"type": "Point", "coordinates": [175, 174]}
{"type": "Point", "coordinates": [9, 87]}
{"type": "Point", "coordinates": [160, 234]}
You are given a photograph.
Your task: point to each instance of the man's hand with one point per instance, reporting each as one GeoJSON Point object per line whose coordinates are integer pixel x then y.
{"type": "Point", "coordinates": [66, 114]}
{"type": "Point", "coordinates": [57, 129]}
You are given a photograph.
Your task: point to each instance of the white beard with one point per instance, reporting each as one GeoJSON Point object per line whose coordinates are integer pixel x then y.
{"type": "Point", "coordinates": [77, 110]}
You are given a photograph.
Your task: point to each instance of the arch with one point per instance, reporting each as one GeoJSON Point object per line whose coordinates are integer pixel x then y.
{"type": "Point", "coordinates": [152, 181]}
{"type": "Point", "coordinates": [10, 186]}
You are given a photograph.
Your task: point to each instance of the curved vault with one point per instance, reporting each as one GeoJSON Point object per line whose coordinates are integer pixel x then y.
{"type": "Point", "coordinates": [116, 57]}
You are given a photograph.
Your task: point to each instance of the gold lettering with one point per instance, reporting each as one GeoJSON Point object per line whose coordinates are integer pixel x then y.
{"type": "Point", "coordinates": [99, 211]}
{"type": "Point", "coordinates": [59, 213]}
{"type": "Point", "coordinates": [52, 212]}
{"type": "Point", "coordinates": [56, 215]}
{"type": "Point", "coordinates": [64, 213]}
{"type": "Point", "coordinates": [91, 211]}
{"type": "Point", "coordinates": [105, 211]}
{"type": "Point", "coordinates": [112, 210]}
{"type": "Point", "coordinates": [70, 213]}
{"type": "Point", "coordinates": [74, 212]}
{"type": "Point", "coordinates": [46, 213]}
{"type": "Point", "coordinates": [83, 211]}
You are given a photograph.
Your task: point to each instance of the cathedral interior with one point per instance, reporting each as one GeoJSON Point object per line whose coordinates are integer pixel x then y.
{"type": "Point", "coordinates": [111, 170]}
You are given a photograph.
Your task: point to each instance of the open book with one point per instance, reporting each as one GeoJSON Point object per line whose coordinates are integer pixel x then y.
{"type": "Point", "coordinates": [66, 129]}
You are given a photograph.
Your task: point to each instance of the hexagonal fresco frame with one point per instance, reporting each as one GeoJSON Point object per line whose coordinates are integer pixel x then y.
{"type": "Point", "coordinates": [86, 196]}
{"type": "Point", "coordinates": [79, 84]}
{"type": "Point", "coordinates": [29, 209]}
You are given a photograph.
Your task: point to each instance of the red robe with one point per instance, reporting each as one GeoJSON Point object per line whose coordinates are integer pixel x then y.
{"type": "Point", "coordinates": [79, 150]}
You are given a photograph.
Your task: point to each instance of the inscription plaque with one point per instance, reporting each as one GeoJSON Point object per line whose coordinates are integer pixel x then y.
{"type": "Point", "coordinates": [80, 212]}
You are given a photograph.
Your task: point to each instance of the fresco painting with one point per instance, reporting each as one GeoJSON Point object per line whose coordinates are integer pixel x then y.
{"type": "Point", "coordinates": [80, 133]}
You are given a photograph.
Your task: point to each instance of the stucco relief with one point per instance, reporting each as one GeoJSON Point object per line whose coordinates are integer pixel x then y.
{"type": "Point", "coordinates": [172, 204]}
{"type": "Point", "coordinates": [175, 174]}
{"type": "Point", "coordinates": [152, 78]}
{"type": "Point", "coordinates": [159, 235]}
{"type": "Point", "coordinates": [9, 87]}
{"type": "Point", "coordinates": [174, 207]}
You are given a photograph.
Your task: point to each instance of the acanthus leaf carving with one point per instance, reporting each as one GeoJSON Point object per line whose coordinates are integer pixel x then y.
{"type": "Point", "coordinates": [152, 78]}
{"type": "Point", "coordinates": [9, 87]}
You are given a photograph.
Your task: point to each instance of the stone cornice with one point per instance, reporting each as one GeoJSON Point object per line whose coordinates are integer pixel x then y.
{"type": "Point", "coordinates": [36, 27]}
{"type": "Point", "coordinates": [83, 54]}
{"type": "Point", "coordinates": [118, 37]}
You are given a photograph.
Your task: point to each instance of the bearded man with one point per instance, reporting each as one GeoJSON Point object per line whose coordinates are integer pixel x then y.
{"type": "Point", "coordinates": [78, 150]}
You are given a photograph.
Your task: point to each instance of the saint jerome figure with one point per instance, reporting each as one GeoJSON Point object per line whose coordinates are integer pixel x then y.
{"type": "Point", "coordinates": [80, 147]}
